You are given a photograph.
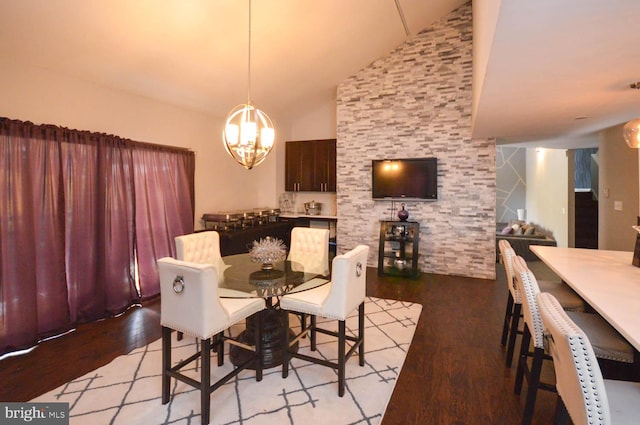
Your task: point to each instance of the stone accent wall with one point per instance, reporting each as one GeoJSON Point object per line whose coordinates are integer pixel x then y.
{"type": "Point", "coordinates": [416, 102]}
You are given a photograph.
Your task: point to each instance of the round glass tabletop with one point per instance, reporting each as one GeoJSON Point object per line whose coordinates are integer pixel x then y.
{"type": "Point", "coordinates": [244, 278]}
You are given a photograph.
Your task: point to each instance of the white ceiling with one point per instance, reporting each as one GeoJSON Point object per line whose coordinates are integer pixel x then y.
{"type": "Point", "coordinates": [550, 61]}
{"type": "Point", "coordinates": [553, 61]}
{"type": "Point", "coordinates": [194, 53]}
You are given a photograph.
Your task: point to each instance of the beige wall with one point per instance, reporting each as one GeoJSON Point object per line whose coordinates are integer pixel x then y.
{"type": "Point", "coordinates": [618, 177]}
{"type": "Point", "coordinates": [37, 95]}
{"type": "Point", "coordinates": [317, 121]}
{"type": "Point", "coordinates": [547, 182]}
{"type": "Point", "coordinates": [485, 18]}
{"type": "Point", "coordinates": [550, 187]}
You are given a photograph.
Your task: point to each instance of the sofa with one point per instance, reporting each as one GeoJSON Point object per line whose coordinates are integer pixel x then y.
{"type": "Point", "coordinates": [521, 236]}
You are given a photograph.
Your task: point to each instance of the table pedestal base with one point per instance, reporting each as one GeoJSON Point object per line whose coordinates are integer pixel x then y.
{"type": "Point", "coordinates": [272, 323]}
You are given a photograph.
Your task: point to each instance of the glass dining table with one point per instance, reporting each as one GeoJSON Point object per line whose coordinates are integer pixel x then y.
{"type": "Point", "coordinates": [244, 278]}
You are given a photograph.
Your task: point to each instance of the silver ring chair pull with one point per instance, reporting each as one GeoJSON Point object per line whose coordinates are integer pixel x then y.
{"type": "Point", "coordinates": [178, 284]}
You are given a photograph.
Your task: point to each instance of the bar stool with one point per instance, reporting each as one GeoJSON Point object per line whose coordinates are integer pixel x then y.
{"type": "Point", "coordinates": [334, 300]}
{"type": "Point", "coordinates": [568, 298]}
{"type": "Point", "coordinates": [583, 395]}
{"type": "Point", "coordinates": [610, 344]}
{"type": "Point", "coordinates": [190, 304]}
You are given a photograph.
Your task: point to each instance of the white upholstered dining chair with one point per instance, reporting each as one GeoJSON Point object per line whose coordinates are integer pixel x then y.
{"type": "Point", "coordinates": [334, 300]}
{"type": "Point", "coordinates": [201, 248]}
{"type": "Point", "coordinates": [310, 248]}
{"type": "Point", "coordinates": [610, 345]}
{"type": "Point", "coordinates": [583, 395]}
{"type": "Point", "coordinates": [190, 305]}
{"type": "Point", "coordinates": [567, 296]}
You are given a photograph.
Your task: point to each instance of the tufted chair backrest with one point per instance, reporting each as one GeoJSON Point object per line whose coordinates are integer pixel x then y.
{"type": "Point", "coordinates": [189, 294]}
{"type": "Point", "coordinates": [310, 247]}
{"type": "Point", "coordinates": [201, 248]}
{"type": "Point", "coordinates": [528, 287]}
{"type": "Point", "coordinates": [578, 377]}
{"type": "Point", "coordinates": [348, 283]}
{"type": "Point", "coordinates": [508, 254]}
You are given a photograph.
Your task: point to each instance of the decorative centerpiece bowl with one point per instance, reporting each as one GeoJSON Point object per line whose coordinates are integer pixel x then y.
{"type": "Point", "coordinates": [268, 251]}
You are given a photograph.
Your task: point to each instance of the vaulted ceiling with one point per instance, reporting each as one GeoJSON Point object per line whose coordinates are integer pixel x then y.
{"type": "Point", "coordinates": [549, 62]}
{"type": "Point", "coordinates": [559, 71]}
{"type": "Point", "coordinates": [194, 53]}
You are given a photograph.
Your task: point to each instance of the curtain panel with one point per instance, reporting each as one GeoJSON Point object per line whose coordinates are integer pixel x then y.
{"type": "Point", "coordinates": [83, 217]}
{"type": "Point", "coordinates": [163, 183]}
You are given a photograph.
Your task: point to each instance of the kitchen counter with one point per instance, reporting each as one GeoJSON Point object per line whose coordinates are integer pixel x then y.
{"type": "Point", "coordinates": [322, 221]}
{"type": "Point", "coordinates": [239, 241]}
{"type": "Point", "coordinates": [312, 217]}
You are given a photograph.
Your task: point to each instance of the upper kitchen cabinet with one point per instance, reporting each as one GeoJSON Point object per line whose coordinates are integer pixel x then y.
{"type": "Point", "coordinates": [310, 166]}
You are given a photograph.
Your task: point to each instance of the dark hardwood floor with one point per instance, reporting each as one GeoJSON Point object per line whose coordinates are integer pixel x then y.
{"type": "Point", "coordinates": [454, 372]}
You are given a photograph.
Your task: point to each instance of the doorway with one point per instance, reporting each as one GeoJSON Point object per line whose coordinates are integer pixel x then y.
{"type": "Point", "coordinates": [586, 198]}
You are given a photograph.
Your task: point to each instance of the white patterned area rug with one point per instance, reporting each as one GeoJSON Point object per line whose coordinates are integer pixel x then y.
{"type": "Point", "coordinates": [127, 391]}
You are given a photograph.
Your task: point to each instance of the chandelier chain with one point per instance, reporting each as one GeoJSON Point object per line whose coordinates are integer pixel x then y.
{"type": "Point", "coordinates": [249, 60]}
{"type": "Point", "coordinates": [248, 133]}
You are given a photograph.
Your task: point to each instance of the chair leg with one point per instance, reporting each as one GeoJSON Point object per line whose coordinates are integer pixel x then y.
{"type": "Point", "coordinates": [361, 333]}
{"type": "Point", "coordinates": [205, 379]}
{"type": "Point", "coordinates": [561, 415]}
{"type": "Point", "coordinates": [303, 322]}
{"type": "Point", "coordinates": [507, 318]}
{"type": "Point", "coordinates": [166, 364]}
{"type": "Point", "coordinates": [522, 359]}
{"type": "Point", "coordinates": [513, 333]}
{"type": "Point", "coordinates": [219, 344]}
{"type": "Point", "coordinates": [313, 333]}
{"type": "Point", "coordinates": [285, 344]}
{"type": "Point", "coordinates": [532, 388]}
{"type": "Point", "coordinates": [341, 357]}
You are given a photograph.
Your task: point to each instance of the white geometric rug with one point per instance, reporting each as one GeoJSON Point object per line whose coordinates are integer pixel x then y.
{"type": "Point", "coordinates": [127, 390]}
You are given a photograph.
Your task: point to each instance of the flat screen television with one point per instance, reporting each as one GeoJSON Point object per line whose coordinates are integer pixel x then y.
{"type": "Point", "coordinates": [408, 178]}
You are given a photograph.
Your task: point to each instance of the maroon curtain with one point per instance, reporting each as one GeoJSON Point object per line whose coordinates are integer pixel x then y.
{"type": "Point", "coordinates": [164, 209]}
{"type": "Point", "coordinates": [72, 208]}
{"type": "Point", "coordinates": [33, 289]}
{"type": "Point", "coordinates": [99, 225]}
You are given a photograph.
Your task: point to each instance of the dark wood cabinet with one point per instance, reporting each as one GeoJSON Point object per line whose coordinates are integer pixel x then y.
{"type": "Point", "coordinates": [293, 166]}
{"type": "Point", "coordinates": [310, 166]}
{"type": "Point", "coordinates": [325, 166]}
{"type": "Point", "coordinates": [398, 251]}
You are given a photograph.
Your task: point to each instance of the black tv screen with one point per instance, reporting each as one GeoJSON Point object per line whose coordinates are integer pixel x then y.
{"type": "Point", "coordinates": [413, 178]}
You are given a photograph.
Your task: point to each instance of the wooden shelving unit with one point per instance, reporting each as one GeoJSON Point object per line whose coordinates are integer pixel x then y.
{"type": "Point", "coordinates": [398, 251]}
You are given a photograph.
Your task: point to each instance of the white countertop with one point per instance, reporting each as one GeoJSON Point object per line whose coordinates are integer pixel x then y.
{"type": "Point", "coordinates": [605, 279]}
{"type": "Point", "coordinates": [302, 215]}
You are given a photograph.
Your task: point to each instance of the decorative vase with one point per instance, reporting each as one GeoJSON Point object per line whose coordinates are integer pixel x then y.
{"type": "Point", "coordinates": [268, 251]}
{"type": "Point", "coordinates": [403, 214]}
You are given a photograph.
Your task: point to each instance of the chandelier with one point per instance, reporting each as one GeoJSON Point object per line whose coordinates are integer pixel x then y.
{"type": "Point", "coordinates": [631, 130]}
{"type": "Point", "coordinates": [631, 133]}
{"type": "Point", "coordinates": [248, 132]}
